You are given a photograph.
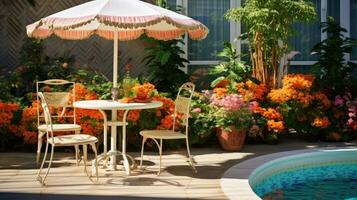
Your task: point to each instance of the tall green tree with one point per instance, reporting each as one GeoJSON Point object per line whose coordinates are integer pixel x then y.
{"type": "Point", "coordinates": [269, 24]}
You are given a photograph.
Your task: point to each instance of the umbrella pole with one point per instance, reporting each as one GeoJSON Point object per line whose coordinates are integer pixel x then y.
{"type": "Point", "coordinates": [115, 60]}
{"type": "Point", "coordinates": [113, 141]}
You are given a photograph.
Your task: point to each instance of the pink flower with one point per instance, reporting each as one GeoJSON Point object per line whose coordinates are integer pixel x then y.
{"type": "Point", "coordinates": [349, 121]}
{"type": "Point", "coordinates": [352, 109]}
{"type": "Point", "coordinates": [197, 110]}
{"type": "Point", "coordinates": [338, 101]}
{"type": "Point", "coordinates": [253, 105]}
{"type": "Point", "coordinates": [230, 102]}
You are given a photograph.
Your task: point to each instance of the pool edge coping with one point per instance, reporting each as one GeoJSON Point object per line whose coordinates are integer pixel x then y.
{"type": "Point", "coordinates": [234, 182]}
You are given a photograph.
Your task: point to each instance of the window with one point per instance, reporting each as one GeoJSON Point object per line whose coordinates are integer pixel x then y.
{"type": "Point", "coordinates": [211, 13]}
{"type": "Point", "coordinates": [202, 54]}
{"type": "Point", "coordinates": [307, 35]}
{"type": "Point", "coordinates": [353, 26]}
{"type": "Point", "coordinates": [171, 4]}
{"type": "Point", "coordinates": [333, 9]}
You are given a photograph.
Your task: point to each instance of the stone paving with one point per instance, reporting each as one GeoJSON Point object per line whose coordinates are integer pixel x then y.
{"type": "Point", "coordinates": [177, 181]}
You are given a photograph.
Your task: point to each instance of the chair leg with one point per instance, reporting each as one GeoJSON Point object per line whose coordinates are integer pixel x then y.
{"type": "Point", "coordinates": [94, 148]}
{"type": "Point", "coordinates": [39, 178]}
{"type": "Point", "coordinates": [190, 160]}
{"type": "Point", "coordinates": [39, 146]}
{"type": "Point", "coordinates": [77, 150]}
{"type": "Point", "coordinates": [160, 152]}
{"type": "Point", "coordinates": [49, 164]}
{"type": "Point", "coordinates": [142, 152]}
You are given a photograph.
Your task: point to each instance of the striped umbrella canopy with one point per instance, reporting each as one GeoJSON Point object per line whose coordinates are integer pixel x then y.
{"type": "Point", "coordinates": [118, 20]}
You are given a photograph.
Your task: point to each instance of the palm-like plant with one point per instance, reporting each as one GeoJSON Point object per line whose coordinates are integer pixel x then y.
{"type": "Point", "coordinates": [230, 68]}
{"type": "Point", "coordinates": [332, 70]}
{"type": "Point", "coordinates": [164, 60]}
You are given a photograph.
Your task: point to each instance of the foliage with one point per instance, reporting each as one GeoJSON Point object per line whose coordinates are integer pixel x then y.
{"type": "Point", "coordinates": [34, 66]}
{"type": "Point", "coordinates": [230, 69]}
{"type": "Point", "coordinates": [345, 115]}
{"type": "Point", "coordinates": [201, 122]}
{"type": "Point", "coordinates": [332, 71]}
{"type": "Point", "coordinates": [92, 80]}
{"type": "Point", "coordinates": [268, 23]}
{"type": "Point", "coordinates": [164, 60]}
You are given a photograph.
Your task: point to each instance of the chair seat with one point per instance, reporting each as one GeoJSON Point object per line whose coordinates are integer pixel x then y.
{"type": "Point", "coordinates": [162, 134]}
{"type": "Point", "coordinates": [61, 127]}
{"type": "Point", "coordinates": [75, 139]}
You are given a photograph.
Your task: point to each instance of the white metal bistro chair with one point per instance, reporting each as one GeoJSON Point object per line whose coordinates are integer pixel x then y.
{"type": "Point", "coordinates": [182, 107]}
{"type": "Point", "coordinates": [57, 100]}
{"type": "Point", "coordinates": [65, 140]}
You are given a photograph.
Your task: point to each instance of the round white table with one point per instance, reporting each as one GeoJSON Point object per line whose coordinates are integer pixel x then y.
{"type": "Point", "coordinates": [114, 106]}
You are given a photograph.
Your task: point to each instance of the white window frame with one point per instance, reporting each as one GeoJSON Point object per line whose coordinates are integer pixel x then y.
{"type": "Point", "coordinates": [235, 30]}
{"type": "Point", "coordinates": [345, 14]}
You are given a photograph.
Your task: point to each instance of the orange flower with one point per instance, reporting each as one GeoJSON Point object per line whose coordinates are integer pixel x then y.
{"type": "Point", "coordinates": [220, 92]}
{"type": "Point", "coordinates": [272, 114]}
{"type": "Point", "coordinates": [277, 127]}
{"type": "Point", "coordinates": [298, 81]}
{"type": "Point", "coordinates": [143, 91]}
{"type": "Point", "coordinates": [30, 137]}
{"type": "Point", "coordinates": [251, 90]}
{"type": "Point", "coordinates": [6, 115]}
{"type": "Point", "coordinates": [134, 115]}
{"type": "Point", "coordinates": [166, 122]}
{"type": "Point", "coordinates": [89, 120]}
{"type": "Point", "coordinates": [323, 99]}
{"type": "Point", "coordinates": [321, 122]}
{"type": "Point", "coordinates": [259, 110]}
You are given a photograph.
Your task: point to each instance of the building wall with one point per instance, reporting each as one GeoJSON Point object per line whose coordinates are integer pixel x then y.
{"type": "Point", "coordinates": [95, 51]}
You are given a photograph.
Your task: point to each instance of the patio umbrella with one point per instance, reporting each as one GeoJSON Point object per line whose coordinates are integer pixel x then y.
{"type": "Point", "coordinates": [117, 20]}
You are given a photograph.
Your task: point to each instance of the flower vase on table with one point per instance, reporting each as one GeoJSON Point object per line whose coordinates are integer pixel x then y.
{"type": "Point", "coordinates": [127, 85]}
{"type": "Point", "coordinates": [140, 93]}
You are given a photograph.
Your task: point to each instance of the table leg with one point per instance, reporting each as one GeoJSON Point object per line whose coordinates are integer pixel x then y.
{"type": "Point", "coordinates": [113, 141]}
{"type": "Point", "coordinates": [105, 138]}
{"type": "Point", "coordinates": [125, 159]}
{"type": "Point", "coordinates": [105, 130]}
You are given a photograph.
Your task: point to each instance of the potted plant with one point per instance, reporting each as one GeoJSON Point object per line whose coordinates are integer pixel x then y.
{"type": "Point", "coordinates": [232, 118]}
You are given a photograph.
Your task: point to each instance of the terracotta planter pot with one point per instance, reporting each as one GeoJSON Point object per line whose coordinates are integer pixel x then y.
{"type": "Point", "coordinates": [231, 140]}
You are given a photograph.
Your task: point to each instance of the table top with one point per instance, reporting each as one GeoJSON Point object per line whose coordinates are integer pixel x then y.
{"type": "Point", "coordinates": [114, 105]}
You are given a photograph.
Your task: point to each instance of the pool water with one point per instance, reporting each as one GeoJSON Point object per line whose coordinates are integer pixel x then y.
{"type": "Point", "coordinates": [332, 182]}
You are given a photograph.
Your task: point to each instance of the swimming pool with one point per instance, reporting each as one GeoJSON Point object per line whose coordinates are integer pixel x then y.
{"type": "Point", "coordinates": [325, 174]}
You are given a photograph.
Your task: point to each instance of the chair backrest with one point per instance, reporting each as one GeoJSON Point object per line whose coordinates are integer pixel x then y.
{"type": "Point", "coordinates": [182, 104]}
{"type": "Point", "coordinates": [46, 113]}
{"type": "Point", "coordinates": [57, 99]}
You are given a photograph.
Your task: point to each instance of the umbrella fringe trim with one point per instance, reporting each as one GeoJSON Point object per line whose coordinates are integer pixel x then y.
{"type": "Point", "coordinates": [120, 22]}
